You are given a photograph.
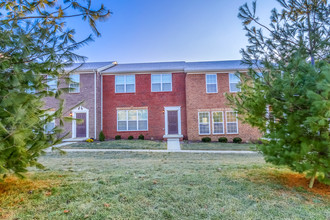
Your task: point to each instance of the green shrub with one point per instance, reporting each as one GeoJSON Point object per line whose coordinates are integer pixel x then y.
{"type": "Point", "coordinates": [101, 136]}
{"type": "Point", "coordinates": [206, 139]}
{"type": "Point", "coordinates": [237, 140]}
{"type": "Point", "coordinates": [223, 140]}
{"type": "Point", "coordinates": [117, 137]}
{"type": "Point", "coordinates": [130, 137]}
{"type": "Point", "coordinates": [141, 137]}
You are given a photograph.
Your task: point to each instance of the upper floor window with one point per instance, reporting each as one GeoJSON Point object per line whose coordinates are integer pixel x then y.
{"type": "Point", "coordinates": [75, 83]}
{"type": "Point", "coordinates": [204, 122]}
{"type": "Point", "coordinates": [161, 82]}
{"type": "Point", "coordinates": [233, 81]}
{"type": "Point", "coordinates": [52, 83]}
{"type": "Point", "coordinates": [232, 123]}
{"type": "Point", "coordinates": [30, 90]}
{"type": "Point", "coordinates": [132, 120]}
{"type": "Point", "coordinates": [125, 83]}
{"type": "Point", "coordinates": [211, 83]}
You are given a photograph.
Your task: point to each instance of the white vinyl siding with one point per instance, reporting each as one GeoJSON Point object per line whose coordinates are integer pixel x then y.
{"type": "Point", "coordinates": [231, 123]}
{"type": "Point", "coordinates": [132, 120]}
{"type": "Point", "coordinates": [125, 83]}
{"type": "Point", "coordinates": [161, 82]}
{"type": "Point", "coordinates": [233, 82]}
{"type": "Point", "coordinates": [211, 83]}
{"type": "Point", "coordinates": [204, 123]}
{"type": "Point", "coordinates": [75, 83]}
{"type": "Point", "coordinates": [52, 83]}
{"type": "Point", "coordinates": [218, 122]}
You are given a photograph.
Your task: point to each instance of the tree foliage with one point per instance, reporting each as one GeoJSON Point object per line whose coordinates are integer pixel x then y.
{"type": "Point", "coordinates": [35, 41]}
{"type": "Point", "coordinates": [287, 88]}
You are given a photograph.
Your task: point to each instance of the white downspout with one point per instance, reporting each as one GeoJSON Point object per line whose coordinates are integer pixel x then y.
{"type": "Point", "coordinates": [101, 102]}
{"type": "Point", "coordinates": [95, 104]}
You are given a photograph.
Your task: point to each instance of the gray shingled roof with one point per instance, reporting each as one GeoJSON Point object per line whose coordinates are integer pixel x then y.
{"type": "Point", "coordinates": [213, 66]}
{"type": "Point", "coordinates": [88, 67]}
{"type": "Point", "coordinates": [146, 67]}
{"type": "Point", "coordinates": [189, 67]}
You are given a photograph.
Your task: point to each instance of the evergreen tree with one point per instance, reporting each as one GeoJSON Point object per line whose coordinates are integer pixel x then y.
{"type": "Point", "coordinates": [35, 41]}
{"type": "Point", "coordinates": [287, 88]}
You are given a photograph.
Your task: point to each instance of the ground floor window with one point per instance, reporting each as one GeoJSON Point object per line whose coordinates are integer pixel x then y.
{"type": "Point", "coordinates": [50, 125]}
{"type": "Point", "coordinates": [232, 123]}
{"type": "Point", "coordinates": [204, 122]}
{"type": "Point", "coordinates": [218, 125]}
{"type": "Point", "coordinates": [132, 120]}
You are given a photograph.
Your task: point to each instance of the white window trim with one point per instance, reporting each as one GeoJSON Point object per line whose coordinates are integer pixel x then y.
{"type": "Point", "coordinates": [174, 108]}
{"type": "Point", "coordinates": [223, 122]}
{"type": "Point", "coordinates": [216, 82]}
{"type": "Point", "coordinates": [80, 109]}
{"type": "Point", "coordinates": [231, 122]}
{"type": "Point", "coordinates": [161, 81]}
{"type": "Point", "coordinates": [232, 82]}
{"type": "Point", "coordinates": [125, 83]}
{"type": "Point", "coordinates": [200, 123]}
{"type": "Point", "coordinates": [137, 119]}
{"type": "Point", "coordinates": [77, 91]}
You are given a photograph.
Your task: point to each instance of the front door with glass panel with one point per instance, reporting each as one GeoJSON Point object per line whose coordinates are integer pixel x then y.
{"type": "Point", "coordinates": [81, 127]}
{"type": "Point", "coordinates": [172, 117]}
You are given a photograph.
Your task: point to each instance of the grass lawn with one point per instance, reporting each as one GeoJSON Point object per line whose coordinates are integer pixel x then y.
{"type": "Point", "coordinates": [216, 146]}
{"type": "Point", "coordinates": [119, 144]}
{"type": "Point", "coordinates": [128, 185]}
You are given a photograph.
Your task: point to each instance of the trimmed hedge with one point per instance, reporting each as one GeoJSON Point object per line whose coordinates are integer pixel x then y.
{"type": "Point", "coordinates": [117, 137]}
{"type": "Point", "coordinates": [141, 137]}
{"type": "Point", "coordinates": [223, 140]}
{"type": "Point", "coordinates": [237, 140]}
{"type": "Point", "coordinates": [130, 138]}
{"type": "Point", "coordinates": [206, 139]}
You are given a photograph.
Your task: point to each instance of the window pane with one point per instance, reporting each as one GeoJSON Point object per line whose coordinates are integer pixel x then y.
{"type": "Point", "coordinates": [130, 88]}
{"type": "Point", "coordinates": [204, 129]}
{"type": "Point", "coordinates": [218, 128]}
{"type": "Point", "coordinates": [233, 87]}
{"type": "Point", "coordinates": [143, 125]}
{"type": "Point", "coordinates": [143, 114]}
{"type": "Point", "coordinates": [233, 78]}
{"type": "Point", "coordinates": [52, 83]}
{"type": "Point", "coordinates": [121, 115]}
{"type": "Point", "coordinates": [130, 79]}
{"type": "Point", "coordinates": [211, 78]}
{"type": "Point", "coordinates": [155, 78]}
{"type": "Point", "coordinates": [120, 88]}
{"type": "Point", "coordinates": [122, 126]}
{"type": "Point", "coordinates": [132, 115]}
{"type": "Point", "coordinates": [167, 87]}
{"type": "Point", "coordinates": [211, 88]}
{"type": "Point", "coordinates": [75, 78]}
{"type": "Point", "coordinates": [167, 78]}
{"type": "Point", "coordinates": [231, 117]}
{"type": "Point", "coordinates": [155, 87]}
{"type": "Point", "coordinates": [120, 80]}
{"type": "Point", "coordinates": [132, 125]}
{"type": "Point", "coordinates": [204, 117]}
{"type": "Point", "coordinates": [217, 117]}
{"type": "Point", "coordinates": [231, 128]}
{"type": "Point", "coordinates": [49, 127]}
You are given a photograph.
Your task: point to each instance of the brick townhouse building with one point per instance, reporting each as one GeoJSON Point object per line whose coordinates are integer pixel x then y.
{"type": "Point", "coordinates": [183, 100]}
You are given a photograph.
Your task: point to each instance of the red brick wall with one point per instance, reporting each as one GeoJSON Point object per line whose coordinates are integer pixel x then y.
{"type": "Point", "coordinates": [143, 97]}
{"type": "Point", "coordinates": [198, 100]}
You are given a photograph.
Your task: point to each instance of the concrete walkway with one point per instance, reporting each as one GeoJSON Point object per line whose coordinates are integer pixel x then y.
{"type": "Point", "coordinates": [161, 151]}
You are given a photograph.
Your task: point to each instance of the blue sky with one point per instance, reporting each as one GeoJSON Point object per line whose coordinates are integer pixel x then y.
{"type": "Point", "coordinates": [169, 30]}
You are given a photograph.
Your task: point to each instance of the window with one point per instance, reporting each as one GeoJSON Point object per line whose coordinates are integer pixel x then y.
{"type": "Point", "coordinates": [75, 83]}
{"type": "Point", "coordinates": [211, 83]}
{"type": "Point", "coordinates": [204, 122]}
{"type": "Point", "coordinates": [132, 120]}
{"type": "Point", "coordinates": [161, 82]}
{"type": "Point", "coordinates": [232, 124]}
{"type": "Point", "coordinates": [218, 125]}
{"type": "Point", "coordinates": [125, 83]}
{"type": "Point", "coordinates": [233, 81]}
{"type": "Point", "coordinates": [52, 83]}
{"type": "Point", "coordinates": [49, 126]}
{"type": "Point", "coordinates": [30, 90]}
